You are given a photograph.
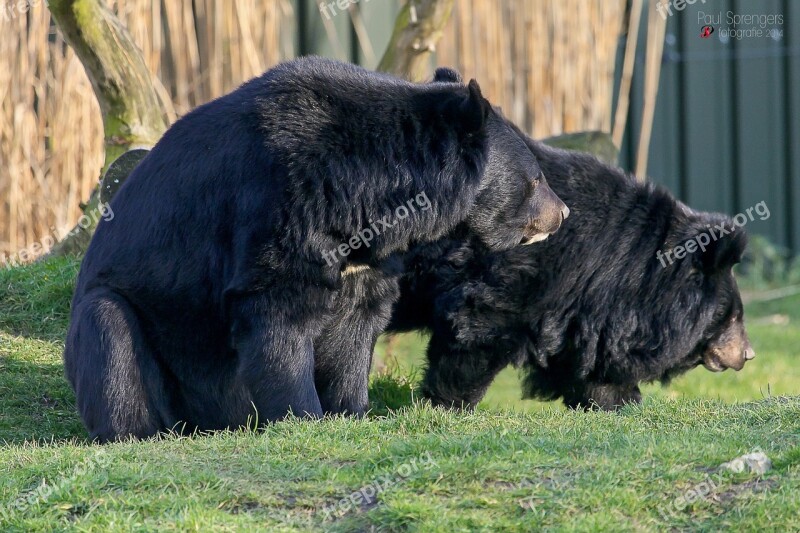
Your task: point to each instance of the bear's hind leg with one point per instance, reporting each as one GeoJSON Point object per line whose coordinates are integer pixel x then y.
{"type": "Point", "coordinates": [276, 359]}
{"type": "Point", "coordinates": [343, 360]}
{"type": "Point", "coordinates": [344, 348]}
{"type": "Point", "coordinates": [118, 383]}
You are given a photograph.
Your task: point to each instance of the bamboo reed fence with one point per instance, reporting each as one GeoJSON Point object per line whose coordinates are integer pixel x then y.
{"type": "Point", "coordinates": [548, 64]}
{"type": "Point", "coordinates": [51, 132]}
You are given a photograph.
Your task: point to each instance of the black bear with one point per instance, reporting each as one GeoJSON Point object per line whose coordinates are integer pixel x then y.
{"type": "Point", "coordinates": [253, 256]}
{"type": "Point", "coordinates": [635, 287]}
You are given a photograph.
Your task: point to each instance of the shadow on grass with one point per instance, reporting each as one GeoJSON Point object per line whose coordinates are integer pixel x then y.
{"type": "Point", "coordinates": [36, 403]}
{"type": "Point", "coordinates": [35, 299]}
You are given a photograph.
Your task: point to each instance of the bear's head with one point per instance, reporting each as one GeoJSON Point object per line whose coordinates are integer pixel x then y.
{"type": "Point", "coordinates": [514, 204]}
{"type": "Point", "coordinates": [686, 311]}
{"type": "Point", "coordinates": [636, 287]}
{"type": "Point", "coordinates": [709, 245]}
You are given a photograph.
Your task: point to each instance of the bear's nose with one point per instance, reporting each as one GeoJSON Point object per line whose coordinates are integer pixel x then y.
{"type": "Point", "coordinates": [749, 353]}
{"type": "Point", "coordinates": [564, 213]}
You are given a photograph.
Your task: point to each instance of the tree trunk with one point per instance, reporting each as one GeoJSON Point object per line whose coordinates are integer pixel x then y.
{"type": "Point", "coordinates": [133, 114]}
{"type": "Point", "coordinates": [416, 31]}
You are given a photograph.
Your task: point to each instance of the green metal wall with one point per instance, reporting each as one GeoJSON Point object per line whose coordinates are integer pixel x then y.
{"type": "Point", "coordinates": [727, 126]}
{"type": "Point", "coordinates": [378, 16]}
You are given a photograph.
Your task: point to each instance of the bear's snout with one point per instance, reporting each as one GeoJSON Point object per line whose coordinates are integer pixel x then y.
{"type": "Point", "coordinates": [546, 213]}
{"type": "Point", "coordinates": [731, 349]}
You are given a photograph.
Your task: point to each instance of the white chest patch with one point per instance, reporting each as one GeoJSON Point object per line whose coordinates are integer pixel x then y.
{"type": "Point", "coordinates": [354, 269]}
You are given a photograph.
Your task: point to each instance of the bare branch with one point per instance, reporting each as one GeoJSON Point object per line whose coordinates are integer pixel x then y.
{"type": "Point", "coordinates": [416, 32]}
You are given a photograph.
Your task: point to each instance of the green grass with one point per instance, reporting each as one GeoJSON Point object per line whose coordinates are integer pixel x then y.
{"type": "Point", "coordinates": [511, 465]}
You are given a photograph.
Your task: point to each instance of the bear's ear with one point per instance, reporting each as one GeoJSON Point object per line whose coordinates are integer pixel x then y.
{"type": "Point", "coordinates": [447, 75]}
{"type": "Point", "coordinates": [474, 110]}
{"type": "Point", "coordinates": [724, 252]}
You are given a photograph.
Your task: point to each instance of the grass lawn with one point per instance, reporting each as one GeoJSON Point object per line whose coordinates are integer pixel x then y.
{"type": "Point", "coordinates": [511, 465]}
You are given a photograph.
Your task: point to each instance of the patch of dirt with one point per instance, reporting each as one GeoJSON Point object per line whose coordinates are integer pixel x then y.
{"type": "Point", "coordinates": [241, 506]}
{"type": "Point", "coordinates": [47, 401]}
{"type": "Point", "coordinates": [739, 490]}
{"type": "Point", "coordinates": [75, 511]}
{"type": "Point", "coordinates": [343, 462]}
{"type": "Point", "coordinates": [513, 485]}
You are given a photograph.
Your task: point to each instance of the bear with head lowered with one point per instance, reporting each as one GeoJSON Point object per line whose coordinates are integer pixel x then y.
{"type": "Point", "coordinates": [592, 312]}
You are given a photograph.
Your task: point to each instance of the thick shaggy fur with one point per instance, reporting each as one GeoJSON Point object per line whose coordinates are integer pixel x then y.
{"type": "Point", "coordinates": [209, 299]}
{"type": "Point", "coordinates": [588, 314]}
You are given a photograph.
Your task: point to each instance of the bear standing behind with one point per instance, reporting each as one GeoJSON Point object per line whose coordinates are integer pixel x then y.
{"type": "Point", "coordinates": [592, 312]}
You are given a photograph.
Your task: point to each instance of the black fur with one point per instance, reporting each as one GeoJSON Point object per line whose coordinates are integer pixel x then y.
{"type": "Point", "coordinates": [588, 314]}
{"type": "Point", "coordinates": [209, 298]}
